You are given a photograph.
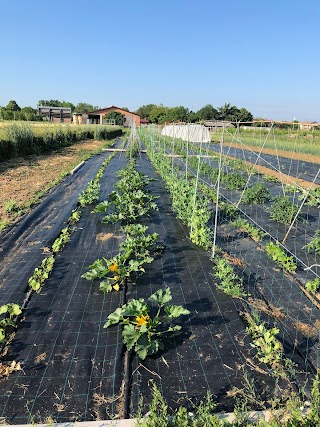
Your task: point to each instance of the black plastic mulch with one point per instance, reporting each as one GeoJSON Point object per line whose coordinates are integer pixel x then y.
{"type": "Point", "coordinates": [297, 168]}
{"type": "Point", "coordinates": [72, 367]}
{"type": "Point", "coordinates": [213, 352]}
{"type": "Point", "coordinates": [22, 245]}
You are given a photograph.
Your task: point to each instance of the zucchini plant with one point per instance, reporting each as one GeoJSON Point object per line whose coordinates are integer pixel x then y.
{"type": "Point", "coordinates": [135, 251]}
{"type": "Point", "coordinates": [9, 313]}
{"type": "Point", "coordinates": [41, 273]}
{"type": "Point", "coordinates": [130, 200]}
{"type": "Point", "coordinates": [144, 332]}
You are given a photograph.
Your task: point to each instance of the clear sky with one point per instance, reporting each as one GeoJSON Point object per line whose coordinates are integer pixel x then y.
{"type": "Point", "coordinates": [260, 55]}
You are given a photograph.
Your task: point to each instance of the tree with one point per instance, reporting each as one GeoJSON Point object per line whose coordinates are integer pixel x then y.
{"type": "Point", "coordinates": [83, 108]}
{"type": "Point", "coordinates": [13, 106]}
{"type": "Point", "coordinates": [193, 117]}
{"type": "Point", "coordinates": [159, 114]}
{"type": "Point", "coordinates": [177, 114]}
{"type": "Point", "coordinates": [117, 117]}
{"type": "Point", "coordinates": [208, 112]}
{"type": "Point", "coordinates": [144, 111]}
{"type": "Point", "coordinates": [29, 114]}
{"type": "Point", "coordinates": [245, 115]}
{"type": "Point", "coordinates": [228, 112]}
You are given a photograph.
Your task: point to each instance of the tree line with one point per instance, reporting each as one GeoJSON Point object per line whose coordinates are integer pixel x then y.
{"type": "Point", "coordinates": [158, 114]}
{"type": "Point", "coordinates": [12, 111]}
{"type": "Point", "coordinates": [161, 114]}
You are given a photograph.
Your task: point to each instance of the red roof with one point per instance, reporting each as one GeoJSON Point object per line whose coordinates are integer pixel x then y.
{"type": "Point", "coordinates": [112, 108]}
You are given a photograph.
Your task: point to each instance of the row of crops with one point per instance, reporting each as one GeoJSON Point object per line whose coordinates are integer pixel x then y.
{"type": "Point", "coordinates": [123, 298]}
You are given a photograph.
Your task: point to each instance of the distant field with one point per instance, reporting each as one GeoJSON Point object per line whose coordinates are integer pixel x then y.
{"type": "Point", "coordinates": [296, 141]}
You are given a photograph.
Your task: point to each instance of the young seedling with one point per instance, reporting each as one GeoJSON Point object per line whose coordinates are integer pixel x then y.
{"type": "Point", "coordinates": [280, 257]}
{"type": "Point", "coordinates": [11, 311]}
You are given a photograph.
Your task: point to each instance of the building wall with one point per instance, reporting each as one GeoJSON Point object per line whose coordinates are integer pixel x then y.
{"type": "Point", "coordinates": [127, 115]}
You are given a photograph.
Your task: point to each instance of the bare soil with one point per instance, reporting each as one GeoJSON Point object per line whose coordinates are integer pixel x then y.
{"type": "Point", "coordinates": [22, 179]}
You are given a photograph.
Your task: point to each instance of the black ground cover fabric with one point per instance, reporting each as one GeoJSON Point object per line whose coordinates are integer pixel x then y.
{"type": "Point", "coordinates": [22, 245]}
{"type": "Point", "coordinates": [279, 289]}
{"type": "Point", "coordinates": [72, 367]}
{"type": "Point", "coordinates": [297, 168]}
{"type": "Point", "coordinates": [301, 233]}
{"type": "Point", "coordinates": [213, 353]}
{"type": "Point", "coordinates": [265, 281]}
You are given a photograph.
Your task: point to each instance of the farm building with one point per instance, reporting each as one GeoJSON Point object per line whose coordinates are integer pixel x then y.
{"type": "Point", "coordinates": [55, 114]}
{"type": "Point", "coordinates": [98, 115]}
{"type": "Point", "coordinates": [215, 125]}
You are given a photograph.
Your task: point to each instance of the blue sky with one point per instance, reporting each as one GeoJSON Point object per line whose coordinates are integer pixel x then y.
{"type": "Point", "coordinates": [261, 55]}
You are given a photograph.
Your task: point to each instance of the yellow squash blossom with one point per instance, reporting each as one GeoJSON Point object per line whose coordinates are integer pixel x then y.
{"type": "Point", "coordinates": [114, 267]}
{"type": "Point", "coordinates": [142, 320]}
{"type": "Point", "coordinates": [116, 287]}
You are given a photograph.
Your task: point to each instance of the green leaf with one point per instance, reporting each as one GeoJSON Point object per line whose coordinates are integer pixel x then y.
{"type": "Point", "coordinates": [174, 328]}
{"type": "Point", "coordinates": [142, 346]}
{"type": "Point", "coordinates": [114, 318]}
{"type": "Point", "coordinates": [130, 335]}
{"type": "Point", "coordinates": [15, 310]}
{"type": "Point", "coordinates": [161, 296]}
{"type": "Point", "coordinates": [173, 311]}
{"type": "Point", "coordinates": [4, 309]}
{"type": "Point", "coordinates": [105, 287]}
{"type": "Point", "coordinates": [101, 207]}
{"type": "Point", "coordinates": [34, 284]}
{"type": "Point", "coordinates": [135, 307]}
{"type": "Point", "coordinates": [2, 335]}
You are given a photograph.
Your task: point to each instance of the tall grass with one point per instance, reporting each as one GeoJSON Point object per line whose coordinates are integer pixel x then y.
{"type": "Point", "coordinates": [22, 139]}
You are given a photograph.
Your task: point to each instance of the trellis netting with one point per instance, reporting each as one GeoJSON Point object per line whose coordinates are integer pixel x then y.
{"type": "Point", "coordinates": [189, 132]}
{"type": "Point", "coordinates": [231, 171]}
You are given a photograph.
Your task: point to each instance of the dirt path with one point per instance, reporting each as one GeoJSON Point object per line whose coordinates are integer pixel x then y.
{"type": "Point", "coordinates": [25, 180]}
{"type": "Point", "coordinates": [289, 154]}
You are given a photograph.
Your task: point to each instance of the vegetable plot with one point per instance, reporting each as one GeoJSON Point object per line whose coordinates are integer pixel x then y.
{"type": "Point", "coordinates": [120, 305]}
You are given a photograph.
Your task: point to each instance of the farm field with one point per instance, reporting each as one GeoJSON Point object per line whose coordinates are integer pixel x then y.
{"type": "Point", "coordinates": [237, 321]}
{"type": "Point", "coordinates": [288, 140]}
{"type": "Point", "coordinates": [26, 179]}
